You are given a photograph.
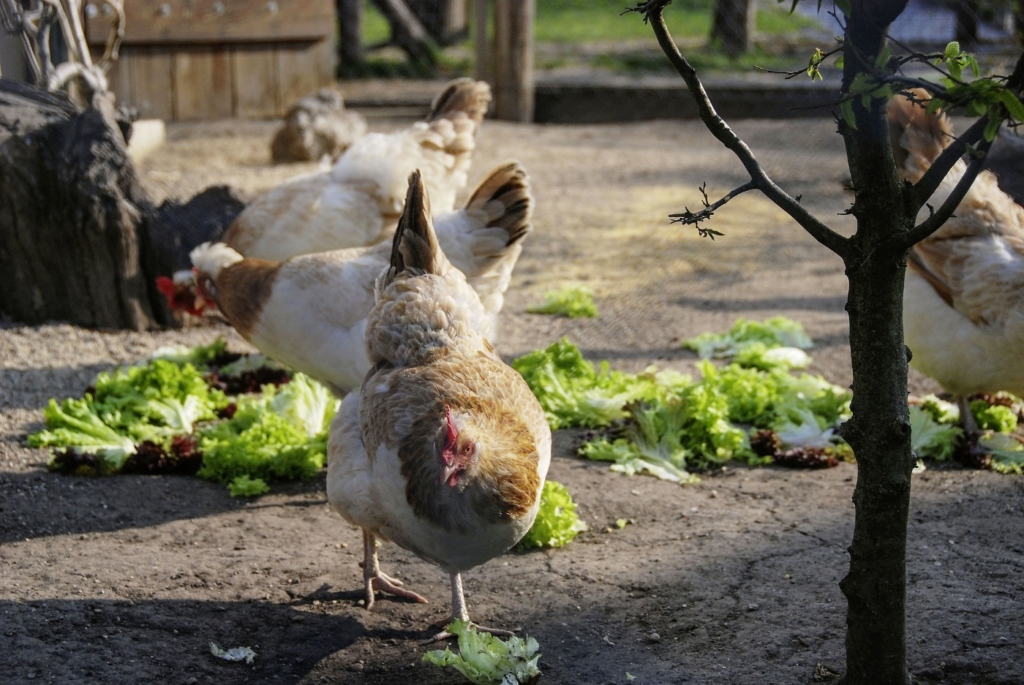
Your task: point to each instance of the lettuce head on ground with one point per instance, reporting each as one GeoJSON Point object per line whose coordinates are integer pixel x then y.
{"type": "Point", "coordinates": [572, 301]}
{"type": "Point", "coordinates": [487, 660]}
{"type": "Point", "coordinates": [557, 523]}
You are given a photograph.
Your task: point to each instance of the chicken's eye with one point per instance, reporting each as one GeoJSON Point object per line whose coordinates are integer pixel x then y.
{"type": "Point", "coordinates": [467, 449]}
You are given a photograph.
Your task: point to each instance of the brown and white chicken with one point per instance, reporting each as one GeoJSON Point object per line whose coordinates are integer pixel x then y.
{"type": "Point", "coordinates": [357, 202]}
{"type": "Point", "coordinates": [444, 449]}
{"type": "Point", "coordinates": [309, 312]}
{"type": "Point", "coordinates": [963, 302]}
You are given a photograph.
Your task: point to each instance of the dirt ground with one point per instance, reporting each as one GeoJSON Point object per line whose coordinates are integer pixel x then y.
{"type": "Point", "coordinates": [734, 580]}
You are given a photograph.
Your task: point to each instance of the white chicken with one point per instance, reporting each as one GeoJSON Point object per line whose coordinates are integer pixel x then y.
{"type": "Point", "coordinates": [358, 201]}
{"type": "Point", "coordinates": [444, 449]}
{"type": "Point", "coordinates": [963, 301]}
{"type": "Point", "coordinates": [309, 312]}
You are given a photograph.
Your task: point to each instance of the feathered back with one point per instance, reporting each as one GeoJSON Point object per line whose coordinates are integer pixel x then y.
{"type": "Point", "coordinates": [917, 136]}
{"type": "Point", "coordinates": [440, 147]}
{"type": "Point", "coordinates": [424, 309]}
{"type": "Point", "coordinates": [461, 95]}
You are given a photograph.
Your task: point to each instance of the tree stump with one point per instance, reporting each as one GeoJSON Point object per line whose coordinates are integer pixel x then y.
{"type": "Point", "coordinates": [80, 239]}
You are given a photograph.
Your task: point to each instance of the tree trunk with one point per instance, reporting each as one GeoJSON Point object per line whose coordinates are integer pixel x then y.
{"type": "Point", "coordinates": [407, 32]}
{"type": "Point", "coordinates": [879, 431]}
{"type": "Point", "coordinates": [731, 25]}
{"type": "Point", "coordinates": [350, 21]}
{"type": "Point", "coordinates": [69, 217]}
{"type": "Point", "coordinates": [80, 239]}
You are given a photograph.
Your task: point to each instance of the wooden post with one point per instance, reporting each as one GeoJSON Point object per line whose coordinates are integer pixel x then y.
{"type": "Point", "coordinates": [350, 16]}
{"type": "Point", "coordinates": [480, 40]}
{"type": "Point", "coordinates": [513, 60]}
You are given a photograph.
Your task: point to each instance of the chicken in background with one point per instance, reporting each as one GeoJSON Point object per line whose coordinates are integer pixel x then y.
{"type": "Point", "coordinates": [309, 312]}
{"type": "Point", "coordinates": [963, 301]}
{"type": "Point", "coordinates": [444, 449]}
{"type": "Point", "coordinates": [357, 202]}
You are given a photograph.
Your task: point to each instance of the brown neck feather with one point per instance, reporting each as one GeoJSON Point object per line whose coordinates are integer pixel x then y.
{"type": "Point", "coordinates": [242, 290]}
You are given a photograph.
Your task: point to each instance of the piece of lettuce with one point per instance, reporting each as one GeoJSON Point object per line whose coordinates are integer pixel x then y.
{"type": "Point", "coordinates": [1006, 451]}
{"type": "Point", "coordinates": [244, 486]}
{"type": "Point", "coordinates": [669, 439]}
{"type": "Point", "coordinates": [200, 356]}
{"type": "Point", "coordinates": [75, 424]}
{"type": "Point", "coordinates": [994, 417]}
{"type": "Point", "coordinates": [572, 301]}
{"type": "Point", "coordinates": [487, 660]}
{"type": "Point", "coordinates": [930, 438]}
{"type": "Point", "coordinates": [940, 410]}
{"type": "Point", "coordinates": [573, 393]}
{"type": "Point", "coordinates": [306, 403]}
{"type": "Point", "coordinates": [777, 331]}
{"type": "Point", "coordinates": [557, 523]}
{"type": "Point", "coordinates": [281, 434]}
{"type": "Point", "coordinates": [757, 355]}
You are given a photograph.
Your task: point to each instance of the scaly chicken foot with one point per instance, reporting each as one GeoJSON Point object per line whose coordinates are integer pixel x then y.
{"type": "Point", "coordinates": [460, 613]}
{"type": "Point", "coordinates": [377, 580]}
{"type": "Point", "coordinates": [967, 421]}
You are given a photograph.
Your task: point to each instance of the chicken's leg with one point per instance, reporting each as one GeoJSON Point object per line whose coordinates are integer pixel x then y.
{"type": "Point", "coordinates": [377, 579]}
{"type": "Point", "coordinates": [967, 421]}
{"type": "Point", "coordinates": [460, 613]}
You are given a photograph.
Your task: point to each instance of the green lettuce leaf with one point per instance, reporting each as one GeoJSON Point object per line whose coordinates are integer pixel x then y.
{"type": "Point", "coordinates": [280, 434]}
{"type": "Point", "coordinates": [200, 355]}
{"type": "Point", "coordinates": [75, 424]}
{"type": "Point", "coordinates": [488, 660]}
{"type": "Point", "coordinates": [573, 393]}
{"type": "Point", "coordinates": [929, 438]}
{"type": "Point", "coordinates": [1006, 451]}
{"type": "Point", "coordinates": [306, 404]}
{"type": "Point", "coordinates": [557, 522]}
{"type": "Point", "coordinates": [572, 301]}
{"type": "Point", "coordinates": [994, 417]}
{"type": "Point", "coordinates": [244, 486]}
{"type": "Point", "coordinates": [775, 332]}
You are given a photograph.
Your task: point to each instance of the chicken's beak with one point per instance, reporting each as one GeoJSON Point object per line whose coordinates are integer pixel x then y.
{"type": "Point", "coordinates": [447, 472]}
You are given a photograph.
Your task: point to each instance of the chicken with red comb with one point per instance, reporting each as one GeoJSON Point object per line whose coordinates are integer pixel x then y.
{"type": "Point", "coordinates": [444, 449]}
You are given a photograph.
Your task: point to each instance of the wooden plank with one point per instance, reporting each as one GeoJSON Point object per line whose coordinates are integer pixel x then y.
{"type": "Point", "coordinates": [119, 74]}
{"type": "Point", "coordinates": [302, 70]}
{"type": "Point", "coordinates": [482, 41]}
{"type": "Point", "coordinates": [219, 21]}
{"type": "Point", "coordinates": [254, 73]}
{"type": "Point", "coordinates": [202, 83]}
{"type": "Point", "coordinates": [513, 60]}
{"type": "Point", "coordinates": [151, 81]}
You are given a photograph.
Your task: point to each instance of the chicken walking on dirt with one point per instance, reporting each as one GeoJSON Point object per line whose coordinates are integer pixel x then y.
{"type": "Point", "coordinates": [444, 449]}
{"type": "Point", "coordinates": [963, 300]}
{"type": "Point", "coordinates": [309, 312]}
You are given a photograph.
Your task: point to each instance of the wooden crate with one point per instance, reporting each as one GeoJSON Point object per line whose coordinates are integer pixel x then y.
{"type": "Point", "coordinates": [210, 59]}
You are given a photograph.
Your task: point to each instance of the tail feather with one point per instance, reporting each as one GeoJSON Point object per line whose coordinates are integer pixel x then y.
{"type": "Point", "coordinates": [461, 95]}
{"type": "Point", "coordinates": [917, 136]}
{"type": "Point", "coordinates": [415, 248]}
{"type": "Point", "coordinates": [505, 198]}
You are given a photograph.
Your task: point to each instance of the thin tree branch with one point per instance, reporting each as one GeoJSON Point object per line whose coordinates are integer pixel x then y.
{"type": "Point", "coordinates": [688, 218]}
{"type": "Point", "coordinates": [904, 241]}
{"type": "Point", "coordinates": [927, 184]}
{"type": "Point", "coordinates": [653, 12]}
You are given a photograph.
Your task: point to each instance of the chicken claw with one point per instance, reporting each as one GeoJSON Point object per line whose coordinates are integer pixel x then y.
{"type": "Point", "coordinates": [377, 580]}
